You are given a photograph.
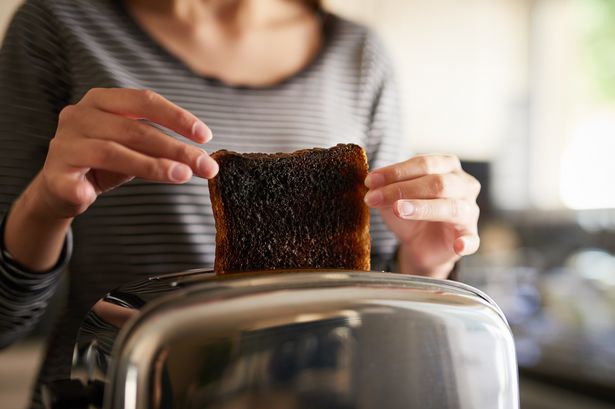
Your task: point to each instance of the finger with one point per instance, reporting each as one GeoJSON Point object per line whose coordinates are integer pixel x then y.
{"type": "Point", "coordinates": [450, 185]}
{"type": "Point", "coordinates": [413, 168]}
{"type": "Point", "coordinates": [144, 138]}
{"type": "Point", "coordinates": [146, 104]}
{"type": "Point", "coordinates": [111, 156]}
{"type": "Point", "coordinates": [466, 244]}
{"type": "Point", "coordinates": [474, 186]}
{"type": "Point", "coordinates": [455, 211]}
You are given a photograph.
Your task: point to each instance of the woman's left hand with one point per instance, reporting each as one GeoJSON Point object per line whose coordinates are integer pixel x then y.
{"type": "Point", "coordinates": [429, 202]}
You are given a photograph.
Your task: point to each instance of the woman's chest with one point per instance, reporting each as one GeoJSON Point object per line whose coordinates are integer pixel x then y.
{"type": "Point", "coordinates": [279, 119]}
{"type": "Point", "coordinates": [321, 106]}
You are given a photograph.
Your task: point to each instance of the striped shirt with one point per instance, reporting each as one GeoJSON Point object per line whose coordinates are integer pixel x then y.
{"type": "Point", "coordinates": [56, 50]}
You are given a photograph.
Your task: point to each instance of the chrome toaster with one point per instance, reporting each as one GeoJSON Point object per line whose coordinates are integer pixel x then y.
{"type": "Point", "coordinates": [311, 339]}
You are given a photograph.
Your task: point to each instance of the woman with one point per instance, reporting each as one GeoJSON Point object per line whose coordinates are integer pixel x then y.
{"type": "Point", "coordinates": [82, 83]}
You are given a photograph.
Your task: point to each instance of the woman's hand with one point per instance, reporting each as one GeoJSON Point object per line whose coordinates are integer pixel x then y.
{"type": "Point", "coordinates": [429, 202]}
{"type": "Point", "coordinates": [101, 143]}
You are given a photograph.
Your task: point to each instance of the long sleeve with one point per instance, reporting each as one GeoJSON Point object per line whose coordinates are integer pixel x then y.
{"type": "Point", "coordinates": [386, 143]}
{"type": "Point", "coordinates": [33, 89]}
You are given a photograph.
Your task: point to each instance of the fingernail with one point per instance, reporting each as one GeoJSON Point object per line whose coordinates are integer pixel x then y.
{"type": "Point", "coordinates": [202, 164]}
{"type": "Point", "coordinates": [201, 131]}
{"type": "Point", "coordinates": [374, 180]}
{"type": "Point", "coordinates": [405, 208]}
{"type": "Point", "coordinates": [374, 198]}
{"type": "Point", "coordinates": [207, 167]}
{"type": "Point", "coordinates": [180, 173]}
{"type": "Point", "coordinates": [459, 245]}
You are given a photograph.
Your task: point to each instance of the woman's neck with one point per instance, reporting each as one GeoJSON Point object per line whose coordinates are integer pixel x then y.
{"type": "Point", "coordinates": [240, 42]}
{"type": "Point", "coordinates": [232, 14]}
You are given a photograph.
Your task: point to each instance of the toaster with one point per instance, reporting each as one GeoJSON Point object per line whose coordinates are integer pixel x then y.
{"type": "Point", "coordinates": [291, 339]}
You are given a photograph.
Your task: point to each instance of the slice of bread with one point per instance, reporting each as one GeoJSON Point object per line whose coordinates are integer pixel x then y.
{"type": "Point", "coordinates": [300, 210]}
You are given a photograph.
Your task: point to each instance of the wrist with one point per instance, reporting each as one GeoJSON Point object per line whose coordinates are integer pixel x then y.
{"type": "Point", "coordinates": [34, 234]}
{"type": "Point", "coordinates": [37, 202]}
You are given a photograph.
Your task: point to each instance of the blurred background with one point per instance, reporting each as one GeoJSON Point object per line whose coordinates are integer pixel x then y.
{"type": "Point", "coordinates": [523, 91]}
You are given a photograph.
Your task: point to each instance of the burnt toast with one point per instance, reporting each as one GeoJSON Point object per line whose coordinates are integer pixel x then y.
{"type": "Point", "coordinates": [300, 210]}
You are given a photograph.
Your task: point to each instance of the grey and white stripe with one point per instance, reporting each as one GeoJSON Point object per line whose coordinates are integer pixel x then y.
{"type": "Point", "coordinates": [56, 50]}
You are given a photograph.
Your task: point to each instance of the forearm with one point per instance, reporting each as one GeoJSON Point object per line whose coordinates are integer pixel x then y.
{"type": "Point", "coordinates": [33, 235]}
{"type": "Point", "coordinates": [407, 265]}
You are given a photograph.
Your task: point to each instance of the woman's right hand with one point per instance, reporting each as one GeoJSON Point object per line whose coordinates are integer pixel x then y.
{"type": "Point", "coordinates": [101, 143]}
